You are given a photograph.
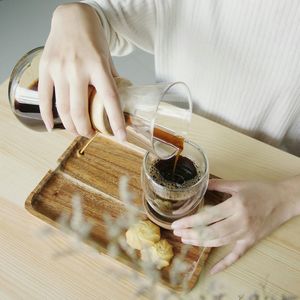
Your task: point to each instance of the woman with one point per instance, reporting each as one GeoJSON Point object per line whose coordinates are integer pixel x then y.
{"type": "Point", "coordinates": [241, 60]}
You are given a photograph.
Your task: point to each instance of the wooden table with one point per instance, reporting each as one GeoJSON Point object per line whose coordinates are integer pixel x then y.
{"type": "Point", "coordinates": [28, 271]}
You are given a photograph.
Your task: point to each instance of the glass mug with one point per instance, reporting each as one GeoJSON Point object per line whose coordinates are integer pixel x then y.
{"type": "Point", "coordinates": [165, 202]}
{"type": "Point", "coordinates": [149, 110]}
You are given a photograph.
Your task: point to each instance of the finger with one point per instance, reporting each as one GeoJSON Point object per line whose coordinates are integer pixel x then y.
{"type": "Point", "coordinates": [45, 92]}
{"type": "Point", "coordinates": [225, 186]}
{"type": "Point", "coordinates": [213, 243]}
{"type": "Point", "coordinates": [190, 242]}
{"type": "Point", "coordinates": [79, 107]}
{"type": "Point", "coordinates": [63, 104]}
{"type": "Point", "coordinates": [105, 85]}
{"type": "Point", "coordinates": [226, 227]}
{"type": "Point", "coordinates": [206, 216]}
{"type": "Point", "coordinates": [215, 235]}
{"type": "Point", "coordinates": [199, 234]}
{"type": "Point", "coordinates": [239, 249]}
{"type": "Point", "coordinates": [209, 244]}
{"type": "Point", "coordinates": [231, 238]}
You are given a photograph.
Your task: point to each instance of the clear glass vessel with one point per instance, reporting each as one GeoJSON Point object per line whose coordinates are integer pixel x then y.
{"type": "Point", "coordinates": [168, 201]}
{"type": "Point", "coordinates": [148, 109]}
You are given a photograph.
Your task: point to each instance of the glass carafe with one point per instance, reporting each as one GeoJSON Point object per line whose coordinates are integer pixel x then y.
{"type": "Point", "coordinates": [160, 114]}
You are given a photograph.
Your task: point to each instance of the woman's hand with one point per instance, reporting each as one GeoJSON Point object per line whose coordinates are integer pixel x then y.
{"type": "Point", "coordinates": [253, 211]}
{"type": "Point", "coordinates": [76, 55]}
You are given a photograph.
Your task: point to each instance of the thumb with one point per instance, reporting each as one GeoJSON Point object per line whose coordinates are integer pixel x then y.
{"type": "Point", "coordinates": [239, 249]}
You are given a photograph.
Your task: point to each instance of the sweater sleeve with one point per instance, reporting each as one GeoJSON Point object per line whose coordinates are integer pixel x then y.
{"type": "Point", "coordinates": [127, 24]}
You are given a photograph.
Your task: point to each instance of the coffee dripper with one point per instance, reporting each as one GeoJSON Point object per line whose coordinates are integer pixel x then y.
{"type": "Point", "coordinates": [148, 109]}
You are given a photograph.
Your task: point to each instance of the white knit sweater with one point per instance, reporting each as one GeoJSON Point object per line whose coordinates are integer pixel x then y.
{"type": "Point", "coordinates": [241, 59]}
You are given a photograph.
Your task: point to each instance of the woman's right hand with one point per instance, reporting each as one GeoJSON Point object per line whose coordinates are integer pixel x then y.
{"type": "Point", "coordinates": [77, 55]}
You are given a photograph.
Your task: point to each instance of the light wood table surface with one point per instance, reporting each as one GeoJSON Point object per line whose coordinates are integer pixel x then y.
{"type": "Point", "coordinates": [27, 267]}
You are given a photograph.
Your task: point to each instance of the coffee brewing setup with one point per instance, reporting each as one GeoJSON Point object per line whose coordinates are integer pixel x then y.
{"type": "Point", "coordinates": [174, 174]}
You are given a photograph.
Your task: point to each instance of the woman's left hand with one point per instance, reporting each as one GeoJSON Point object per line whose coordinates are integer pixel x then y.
{"type": "Point", "coordinates": [252, 212]}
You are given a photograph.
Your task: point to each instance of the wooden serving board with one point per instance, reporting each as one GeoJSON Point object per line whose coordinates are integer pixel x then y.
{"type": "Point", "coordinates": [95, 176]}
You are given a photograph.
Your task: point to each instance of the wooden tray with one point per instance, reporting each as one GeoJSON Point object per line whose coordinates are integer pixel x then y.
{"type": "Point", "coordinates": [95, 176]}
